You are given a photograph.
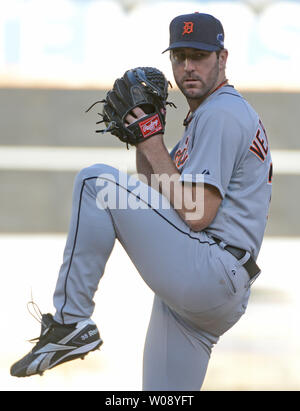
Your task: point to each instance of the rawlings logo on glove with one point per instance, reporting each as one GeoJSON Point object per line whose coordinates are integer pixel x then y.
{"type": "Point", "coordinates": [150, 126]}
{"type": "Point", "coordinates": [144, 87]}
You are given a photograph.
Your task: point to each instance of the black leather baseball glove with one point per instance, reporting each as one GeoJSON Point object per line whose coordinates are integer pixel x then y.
{"type": "Point", "coordinates": [144, 87]}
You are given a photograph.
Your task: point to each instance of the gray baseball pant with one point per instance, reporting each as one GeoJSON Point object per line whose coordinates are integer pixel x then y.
{"type": "Point", "coordinates": [200, 289]}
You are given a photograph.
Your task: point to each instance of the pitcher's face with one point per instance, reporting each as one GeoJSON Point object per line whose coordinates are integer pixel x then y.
{"type": "Point", "coordinates": [197, 72]}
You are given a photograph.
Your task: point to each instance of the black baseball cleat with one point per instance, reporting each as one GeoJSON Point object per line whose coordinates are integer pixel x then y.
{"type": "Point", "coordinates": [58, 344]}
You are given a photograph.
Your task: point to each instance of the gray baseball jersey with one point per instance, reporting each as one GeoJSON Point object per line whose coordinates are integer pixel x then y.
{"type": "Point", "coordinates": [225, 145]}
{"type": "Point", "coordinates": [201, 290]}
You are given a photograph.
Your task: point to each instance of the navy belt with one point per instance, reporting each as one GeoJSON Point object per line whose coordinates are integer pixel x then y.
{"type": "Point", "coordinates": [250, 265]}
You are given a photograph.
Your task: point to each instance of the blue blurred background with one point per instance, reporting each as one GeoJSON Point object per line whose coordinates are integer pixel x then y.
{"type": "Point", "coordinates": [90, 42]}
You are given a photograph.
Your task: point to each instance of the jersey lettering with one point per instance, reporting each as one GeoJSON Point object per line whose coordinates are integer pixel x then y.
{"type": "Point", "coordinates": [270, 174]}
{"type": "Point", "coordinates": [260, 146]}
{"type": "Point", "coordinates": [181, 155]}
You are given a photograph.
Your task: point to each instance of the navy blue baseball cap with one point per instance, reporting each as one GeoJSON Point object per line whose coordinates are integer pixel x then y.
{"type": "Point", "coordinates": [197, 30]}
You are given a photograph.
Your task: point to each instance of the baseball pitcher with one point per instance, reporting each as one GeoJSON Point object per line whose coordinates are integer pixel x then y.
{"type": "Point", "coordinates": [192, 222]}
